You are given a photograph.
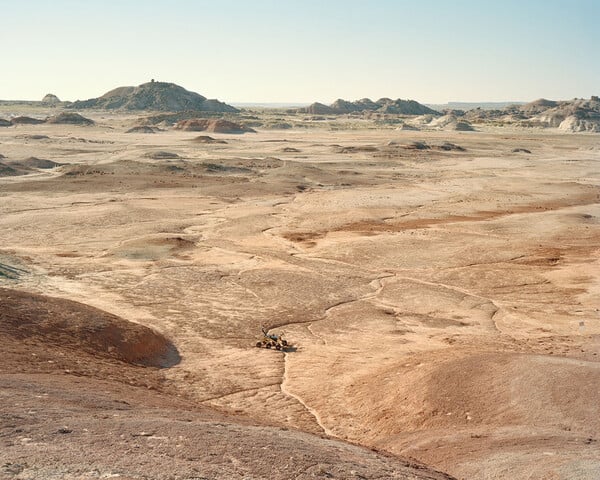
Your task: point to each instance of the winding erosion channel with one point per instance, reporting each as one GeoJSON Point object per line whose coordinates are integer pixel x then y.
{"type": "Point", "coordinates": [440, 305]}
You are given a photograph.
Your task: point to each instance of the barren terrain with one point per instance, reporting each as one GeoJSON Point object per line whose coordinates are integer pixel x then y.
{"type": "Point", "coordinates": [442, 302]}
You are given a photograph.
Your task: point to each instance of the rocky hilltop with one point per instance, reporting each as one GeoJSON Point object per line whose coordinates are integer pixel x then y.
{"type": "Point", "coordinates": [383, 105]}
{"type": "Point", "coordinates": [577, 115]}
{"type": "Point", "coordinates": [212, 125]}
{"type": "Point", "coordinates": [154, 96]}
{"type": "Point", "coordinates": [51, 99]}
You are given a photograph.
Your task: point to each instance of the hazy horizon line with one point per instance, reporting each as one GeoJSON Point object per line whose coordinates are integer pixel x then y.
{"type": "Point", "coordinates": [295, 103]}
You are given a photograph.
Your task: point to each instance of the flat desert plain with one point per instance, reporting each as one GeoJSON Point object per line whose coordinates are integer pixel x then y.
{"type": "Point", "coordinates": [441, 300]}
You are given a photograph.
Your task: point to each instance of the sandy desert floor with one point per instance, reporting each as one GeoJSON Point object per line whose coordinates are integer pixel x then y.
{"type": "Point", "coordinates": [443, 304]}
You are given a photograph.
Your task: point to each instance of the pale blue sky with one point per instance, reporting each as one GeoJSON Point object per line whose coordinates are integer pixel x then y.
{"type": "Point", "coordinates": [432, 51]}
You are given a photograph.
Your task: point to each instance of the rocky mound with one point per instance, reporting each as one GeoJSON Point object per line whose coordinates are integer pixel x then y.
{"type": "Point", "coordinates": [417, 146]}
{"type": "Point", "coordinates": [13, 168]}
{"type": "Point", "coordinates": [345, 106]}
{"type": "Point", "coordinates": [28, 317]}
{"type": "Point", "coordinates": [206, 139]}
{"type": "Point", "coordinates": [70, 118]}
{"type": "Point", "coordinates": [23, 120]}
{"type": "Point", "coordinates": [441, 122]}
{"type": "Point", "coordinates": [448, 146]}
{"type": "Point", "coordinates": [212, 125]}
{"type": "Point", "coordinates": [34, 162]}
{"type": "Point", "coordinates": [142, 129]}
{"type": "Point", "coordinates": [577, 115]}
{"type": "Point", "coordinates": [317, 109]}
{"type": "Point", "coordinates": [383, 105]}
{"type": "Point", "coordinates": [577, 123]}
{"type": "Point", "coordinates": [460, 126]}
{"type": "Point", "coordinates": [8, 171]}
{"type": "Point", "coordinates": [161, 155]}
{"type": "Point", "coordinates": [537, 106]}
{"type": "Point", "coordinates": [450, 122]}
{"type": "Point", "coordinates": [156, 96]}
{"type": "Point", "coordinates": [407, 127]}
{"type": "Point", "coordinates": [170, 119]}
{"type": "Point", "coordinates": [33, 137]}
{"type": "Point", "coordinates": [404, 107]}
{"type": "Point", "coordinates": [479, 115]}
{"type": "Point", "coordinates": [524, 399]}
{"type": "Point", "coordinates": [50, 99]}
{"type": "Point", "coordinates": [272, 125]}
{"type": "Point", "coordinates": [213, 105]}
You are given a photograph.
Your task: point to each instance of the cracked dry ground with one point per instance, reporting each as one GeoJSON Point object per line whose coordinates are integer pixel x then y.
{"type": "Point", "coordinates": [443, 305]}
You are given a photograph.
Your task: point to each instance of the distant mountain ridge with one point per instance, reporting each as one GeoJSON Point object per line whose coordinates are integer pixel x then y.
{"type": "Point", "coordinates": [154, 96]}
